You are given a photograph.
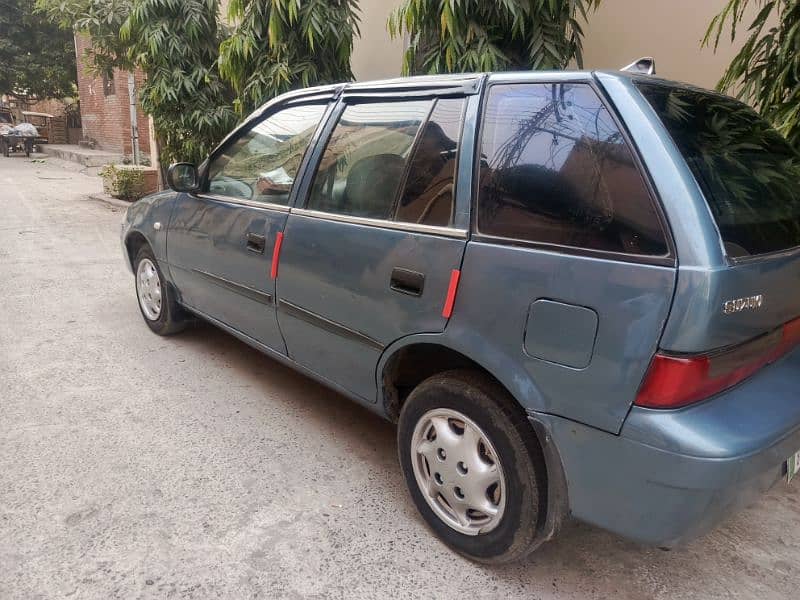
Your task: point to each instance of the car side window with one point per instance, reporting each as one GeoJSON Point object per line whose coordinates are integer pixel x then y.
{"type": "Point", "coordinates": [429, 193]}
{"type": "Point", "coordinates": [263, 163]}
{"type": "Point", "coordinates": [556, 169]}
{"type": "Point", "coordinates": [362, 167]}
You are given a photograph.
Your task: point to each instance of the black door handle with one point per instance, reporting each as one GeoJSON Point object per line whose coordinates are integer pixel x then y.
{"type": "Point", "coordinates": [256, 243]}
{"type": "Point", "coordinates": [407, 282]}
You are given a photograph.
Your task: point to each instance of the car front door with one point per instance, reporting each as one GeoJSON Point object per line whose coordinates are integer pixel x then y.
{"type": "Point", "coordinates": [370, 249]}
{"type": "Point", "coordinates": [220, 241]}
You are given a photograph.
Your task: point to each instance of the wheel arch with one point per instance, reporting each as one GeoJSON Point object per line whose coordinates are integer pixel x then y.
{"type": "Point", "coordinates": [146, 222]}
{"type": "Point", "coordinates": [133, 243]}
{"type": "Point", "coordinates": [412, 359]}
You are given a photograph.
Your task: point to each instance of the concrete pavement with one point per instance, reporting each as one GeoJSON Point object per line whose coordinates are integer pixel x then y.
{"type": "Point", "coordinates": [134, 466]}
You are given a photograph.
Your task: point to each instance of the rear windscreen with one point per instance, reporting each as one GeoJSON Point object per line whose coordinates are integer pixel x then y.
{"type": "Point", "coordinates": [748, 172]}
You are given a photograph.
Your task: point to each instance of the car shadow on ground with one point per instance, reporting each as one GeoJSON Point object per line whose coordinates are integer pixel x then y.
{"type": "Point", "coordinates": [579, 552]}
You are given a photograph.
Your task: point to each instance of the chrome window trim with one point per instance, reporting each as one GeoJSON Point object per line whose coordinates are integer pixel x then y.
{"type": "Point", "coordinates": [396, 225]}
{"type": "Point", "coordinates": [660, 260]}
{"type": "Point", "coordinates": [244, 202]}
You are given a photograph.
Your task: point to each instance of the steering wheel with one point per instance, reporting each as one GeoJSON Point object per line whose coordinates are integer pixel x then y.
{"type": "Point", "coordinates": [228, 186]}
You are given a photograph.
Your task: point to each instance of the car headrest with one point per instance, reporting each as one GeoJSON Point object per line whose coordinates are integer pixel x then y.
{"type": "Point", "coordinates": [372, 184]}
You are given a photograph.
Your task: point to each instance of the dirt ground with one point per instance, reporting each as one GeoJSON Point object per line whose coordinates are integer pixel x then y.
{"type": "Point", "coordinates": [134, 466]}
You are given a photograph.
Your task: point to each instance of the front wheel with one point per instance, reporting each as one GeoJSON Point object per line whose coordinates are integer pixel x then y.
{"type": "Point", "coordinates": [473, 466]}
{"type": "Point", "coordinates": [156, 299]}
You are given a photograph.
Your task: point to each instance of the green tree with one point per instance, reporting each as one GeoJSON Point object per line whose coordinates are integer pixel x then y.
{"type": "Point", "coordinates": [766, 71]}
{"type": "Point", "coordinates": [99, 19]}
{"type": "Point", "coordinates": [279, 45]}
{"type": "Point", "coordinates": [448, 36]}
{"type": "Point", "coordinates": [36, 57]}
{"type": "Point", "coordinates": [176, 44]}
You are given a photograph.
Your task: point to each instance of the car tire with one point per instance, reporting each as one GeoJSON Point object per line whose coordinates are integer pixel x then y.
{"type": "Point", "coordinates": [155, 295]}
{"type": "Point", "coordinates": [436, 458]}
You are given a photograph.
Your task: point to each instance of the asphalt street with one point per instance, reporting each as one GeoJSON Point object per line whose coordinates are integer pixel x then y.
{"type": "Point", "coordinates": [135, 466]}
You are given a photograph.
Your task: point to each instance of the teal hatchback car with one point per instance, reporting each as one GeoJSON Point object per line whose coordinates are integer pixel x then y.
{"type": "Point", "coordinates": [577, 293]}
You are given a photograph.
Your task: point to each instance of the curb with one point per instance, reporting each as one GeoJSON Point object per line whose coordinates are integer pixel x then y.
{"type": "Point", "coordinates": [109, 200]}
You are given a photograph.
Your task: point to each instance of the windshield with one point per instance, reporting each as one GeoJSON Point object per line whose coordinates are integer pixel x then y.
{"type": "Point", "coordinates": [749, 174]}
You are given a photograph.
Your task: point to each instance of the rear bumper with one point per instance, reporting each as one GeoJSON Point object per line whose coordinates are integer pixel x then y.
{"type": "Point", "coordinates": [671, 476]}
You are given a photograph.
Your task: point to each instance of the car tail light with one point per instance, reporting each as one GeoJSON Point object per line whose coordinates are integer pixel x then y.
{"type": "Point", "coordinates": [675, 381]}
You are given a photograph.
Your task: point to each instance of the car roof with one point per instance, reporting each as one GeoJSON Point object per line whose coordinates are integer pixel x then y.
{"type": "Point", "coordinates": [452, 82]}
{"type": "Point", "coordinates": [470, 81]}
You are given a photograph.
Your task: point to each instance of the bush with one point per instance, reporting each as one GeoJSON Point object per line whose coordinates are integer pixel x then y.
{"type": "Point", "coordinates": [126, 182]}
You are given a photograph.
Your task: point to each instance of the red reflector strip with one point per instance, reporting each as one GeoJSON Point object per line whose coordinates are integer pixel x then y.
{"type": "Point", "coordinates": [675, 381]}
{"type": "Point", "coordinates": [276, 254]}
{"type": "Point", "coordinates": [450, 300]}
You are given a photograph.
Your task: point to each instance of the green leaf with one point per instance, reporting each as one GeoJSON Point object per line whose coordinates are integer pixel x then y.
{"type": "Point", "coordinates": [764, 72]}
{"type": "Point", "coordinates": [468, 35]}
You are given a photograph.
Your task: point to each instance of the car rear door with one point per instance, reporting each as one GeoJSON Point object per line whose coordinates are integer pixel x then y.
{"type": "Point", "coordinates": [220, 241]}
{"type": "Point", "coordinates": [569, 271]}
{"type": "Point", "coordinates": [379, 228]}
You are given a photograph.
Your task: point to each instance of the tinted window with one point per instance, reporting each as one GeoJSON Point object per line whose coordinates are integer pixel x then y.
{"type": "Point", "coordinates": [555, 169]}
{"type": "Point", "coordinates": [747, 171]}
{"type": "Point", "coordinates": [263, 163]}
{"type": "Point", "coordinates": [428, 193]}
{"type": "Point", "coordinates": [364, 161]}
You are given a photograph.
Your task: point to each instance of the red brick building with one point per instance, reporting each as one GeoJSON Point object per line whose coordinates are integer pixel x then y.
{"type": "Point", "coordinates": [105, 108]}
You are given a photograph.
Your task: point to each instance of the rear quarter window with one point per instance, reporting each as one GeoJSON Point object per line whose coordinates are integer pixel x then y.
{"type": "Point", "coordinates": [555, 169]}
{"type": "Point", "coordinates": [748, 173]}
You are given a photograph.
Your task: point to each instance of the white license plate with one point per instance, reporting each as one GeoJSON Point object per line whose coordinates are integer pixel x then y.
{"type": "Point", "coordinates": [792, 466]}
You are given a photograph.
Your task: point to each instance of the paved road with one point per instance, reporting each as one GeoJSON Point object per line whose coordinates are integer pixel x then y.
{"type": "Point", "coordinates": [133, 466]}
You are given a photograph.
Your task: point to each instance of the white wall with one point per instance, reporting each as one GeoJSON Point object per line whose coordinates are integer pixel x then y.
{"type": "Point", "coordinates": [671, 31]}
{"type": "Point", "coordinates": [617, 34]}
{"type": "Point", "coordinates": [375, 54]}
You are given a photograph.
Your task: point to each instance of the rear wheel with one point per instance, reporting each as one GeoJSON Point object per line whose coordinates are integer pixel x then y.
{"type": "Point", "coordinates": [473, 466]}
{"type": "Point", "coordinates": [156, 299]}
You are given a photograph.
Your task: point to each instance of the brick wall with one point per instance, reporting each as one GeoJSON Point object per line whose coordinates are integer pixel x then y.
{"type": "Point", "coordinates": [53, 106]}
{"type": "Point", "coordinates": [105, 113]}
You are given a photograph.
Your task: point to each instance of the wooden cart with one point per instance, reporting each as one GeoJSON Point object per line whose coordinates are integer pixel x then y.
{"type": "Point", "coordinates": [43, 123]}
{"type": "Point", "coordinates": [17, 143]}
{"type": "Point", "coordinates": [11, 142]}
